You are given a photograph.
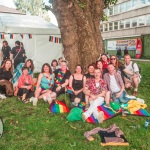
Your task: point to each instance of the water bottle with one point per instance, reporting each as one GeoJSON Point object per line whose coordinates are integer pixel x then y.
{"type": "Point", "coordinates": [146, 124]}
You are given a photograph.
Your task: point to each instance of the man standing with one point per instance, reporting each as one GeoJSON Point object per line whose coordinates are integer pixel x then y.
{"type": "Point", "coordinates": [17, 53]}
{"type": "Point", "coordinates": [115, 85]}
{"type": "Point", "coordinates": [133, 76]}
{"type": "Point", "coordinates": [5, 52]}
{"type": "Point", "coordinates": [126, 51]}
{"type": "Point", "coordinates": [95, 92]}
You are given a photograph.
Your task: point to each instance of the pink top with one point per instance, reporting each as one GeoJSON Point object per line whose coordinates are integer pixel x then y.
{"type": "Point", "coordinates": [24, 80]}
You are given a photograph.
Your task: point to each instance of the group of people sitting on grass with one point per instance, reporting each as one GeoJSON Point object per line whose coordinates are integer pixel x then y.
{"type": "Point", "coordinates": [105, 81]}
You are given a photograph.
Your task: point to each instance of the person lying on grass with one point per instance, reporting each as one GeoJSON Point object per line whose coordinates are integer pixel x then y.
{"type": "Point", "coordinates": [25, 86]}
{"type": "Point", "coordinates": [95, 91]}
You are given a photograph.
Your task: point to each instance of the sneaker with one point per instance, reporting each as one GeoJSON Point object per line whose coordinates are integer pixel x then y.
{"type": "Point", "coordinates": [108, 106]}
{"type": "Point", "coordinates": [100, 117]}
{"type": "Point", "coordinates": [31, 99]}
{"type": "Point", "coordinates": [2, 96]}
{"type": "Point", "coordinates": [35, 101]}
{"type": "Point", "coordinates": [87, 106]}
{"type": "Point", "coordinates": [140, 100]}
{"type": "Point", "coordinates": [83, 117]}
{"type": "Point", "coordinates": [44, 98]}
{"type": "Point", "coordinates": [130, 96]}
{"type": "Point", "coordinates": [73, 104]}
{"type": "Point", "coordinates": [134, 93]}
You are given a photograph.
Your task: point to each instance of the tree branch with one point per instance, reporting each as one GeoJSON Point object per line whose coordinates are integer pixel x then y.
{"type": "Point", "coordinates": [49, 8]}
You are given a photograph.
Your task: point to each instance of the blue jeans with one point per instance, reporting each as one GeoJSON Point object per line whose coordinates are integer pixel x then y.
{"type": "Point", "coordinates": [121, 99]}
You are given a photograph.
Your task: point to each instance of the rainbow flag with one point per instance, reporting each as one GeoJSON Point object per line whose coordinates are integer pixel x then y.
{"type": "Point", "coordinates": [59, 107]}
{"type": "Point", "coordinates": [11, 36]}
{"type": "Point", "coordinates": [30, 36]}
{"type": "Point", "coordinates": [69, 90]}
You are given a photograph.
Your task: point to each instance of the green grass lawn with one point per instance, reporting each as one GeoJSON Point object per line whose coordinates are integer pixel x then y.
{"type": "Point", "coordinates": [27, 127]}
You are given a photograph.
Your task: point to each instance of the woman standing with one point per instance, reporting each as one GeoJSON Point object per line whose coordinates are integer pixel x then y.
{"type": "Point", "coordinates": [5, 52]}
{"type": "Point", "coordinates": [6, 77]}
{"type": "Point", "coordinates": [77, 83]}
{"type": "Point", "coordinates": [45, 83]}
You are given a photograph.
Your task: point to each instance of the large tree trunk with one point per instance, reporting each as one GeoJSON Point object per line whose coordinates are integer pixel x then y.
{"type": "Point", "coordinates": [79, 27]}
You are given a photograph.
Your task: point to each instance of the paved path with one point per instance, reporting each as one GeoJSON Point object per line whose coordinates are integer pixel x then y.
{"type": "Point", "coordinates": [142, 60]}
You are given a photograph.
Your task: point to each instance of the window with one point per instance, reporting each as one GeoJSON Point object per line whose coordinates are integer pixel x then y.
{"type": "Point", "coordinates": [110, 11]}
{"type": "Point", "coordinates": [148, 20]}
{"type": "Point", "coordinates": [122, 24]}
{"type": "Point", "coordinates": [115, 25]}
{"type": "Point", "coordinates": [122, 7]}
{"type": "Point", "coordinates": [127, 23]}
{"type": "Point", "coordinates": [134, 22]}
{"type": "Point", "coordinates": [105, 27]}
{"type": "Point", "coordinates": [141, 20]}
{"type": "Point", "coordinates": [106, 11]}
{"type": "Point", "coordinates": [128, 5]}
{"type": "Point", "coordinates": [101, 27]}
{"type": "Point", "coordinates": [110, 26]}
{"type": "Point", "coordinates": [134, 4]}
{"type": "Point", "coordinates": [142, 3]}
{"type": "Point", "coordinates": [116, 9]}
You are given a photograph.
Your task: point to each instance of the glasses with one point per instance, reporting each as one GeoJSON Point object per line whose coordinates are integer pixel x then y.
{"type": "Point", "coordinates": [113, 59]}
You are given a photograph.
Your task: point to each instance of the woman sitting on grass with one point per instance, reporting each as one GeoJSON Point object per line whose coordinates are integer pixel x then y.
{"type": "Point", "coordinates": [45, 83]}
{"type": "Point", "coordinates": [6, 77]}
{"type": "Point", "coordinates": [18, 71]}
{"type": "Point", "coordinates": [25, 86]}
{"type": "Point", "coordinates": [77, 83]}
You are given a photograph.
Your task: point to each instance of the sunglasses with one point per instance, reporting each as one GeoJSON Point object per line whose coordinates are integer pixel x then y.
{"type": "Point", "coordinates": [113, 59]}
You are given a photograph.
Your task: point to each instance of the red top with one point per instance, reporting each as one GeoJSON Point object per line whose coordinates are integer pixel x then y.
{"type": "Point", "coordinates": [24, 80]}
{"type": "Point", "coordinates": [105, 64]}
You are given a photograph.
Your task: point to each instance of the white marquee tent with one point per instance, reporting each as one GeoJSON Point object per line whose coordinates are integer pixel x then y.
{"type": "Point", "coordinates": [38, 48]}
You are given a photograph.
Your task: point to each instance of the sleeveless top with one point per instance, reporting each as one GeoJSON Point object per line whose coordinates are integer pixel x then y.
{"type": "Point", "coordinates": [77, 84]}
{"type": "Point", "coordinates": [47, 82]}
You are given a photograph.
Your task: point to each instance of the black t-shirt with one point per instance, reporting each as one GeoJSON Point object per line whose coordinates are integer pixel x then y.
{"type": "Point", "coordinates": [88, 75]}
{"type": "Point", "coordinates": [6, 52]}
{"type": "Point", "coordinates": [66, 75]}
{"type": "Point", "coordinates": [7, 75]}
{"type": "Point", "coordinates": [15, 51]}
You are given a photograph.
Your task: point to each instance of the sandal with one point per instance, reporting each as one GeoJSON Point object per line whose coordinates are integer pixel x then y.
{"type": "Point", "coordinates": [19, 98]}
{"type": "Point", "coordinates": [25, 101]}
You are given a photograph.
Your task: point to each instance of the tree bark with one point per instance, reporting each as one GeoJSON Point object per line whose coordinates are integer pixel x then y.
{"type": "Point", "coordinates": [80, 32]}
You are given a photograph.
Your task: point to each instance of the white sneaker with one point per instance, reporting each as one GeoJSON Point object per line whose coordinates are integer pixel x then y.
{"type": "Point", "coordinates": [140, 100]}
{"type": "Point", "coordinates": [2, 96]}
{"type": "Point", "coordinates": [31, 99]}
{"type": "Point", "coordinates": [130, 96]}
{"type": "Point", "coordinates": [35, 101]}
{"type": "Point", "coordinates": [44, 98]}
{"type": "Point", "coordinates": [100, 117]}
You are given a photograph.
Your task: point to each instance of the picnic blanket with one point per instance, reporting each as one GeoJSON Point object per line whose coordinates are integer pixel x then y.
{"type": "Point", "coordinates": [110, 113]}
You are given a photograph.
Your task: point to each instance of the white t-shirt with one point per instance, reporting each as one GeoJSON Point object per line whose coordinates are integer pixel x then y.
{"type": "Point", "coordinates": [132, 69]}
{"type": "Point", "coordinates": [113, 84]}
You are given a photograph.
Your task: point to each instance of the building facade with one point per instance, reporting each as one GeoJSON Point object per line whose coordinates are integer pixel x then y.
{"type": "Point", "coordinates": [128, 21]}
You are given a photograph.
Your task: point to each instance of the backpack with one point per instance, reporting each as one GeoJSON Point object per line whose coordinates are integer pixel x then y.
{"type": "Point", "coordinates": [138, 67]}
